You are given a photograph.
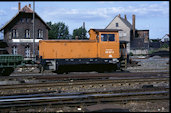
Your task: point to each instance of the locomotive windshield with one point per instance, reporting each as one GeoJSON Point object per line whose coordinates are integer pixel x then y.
{"type": "Point", "coordinates": [107, 37]}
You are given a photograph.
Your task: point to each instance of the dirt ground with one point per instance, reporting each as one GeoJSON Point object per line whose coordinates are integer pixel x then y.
{"type": "Point", "coordinates": [147, 106]}
{"type": "Point", "coordinates": [149, 64]}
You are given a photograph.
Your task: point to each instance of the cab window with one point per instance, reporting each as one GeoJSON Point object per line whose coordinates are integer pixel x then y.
{"type": "Point", "coordinates": [107, 37]}
{"type": "Point", "coordinates": [104, 37]}
{"type": "Point", "coordinates": [111, 37]}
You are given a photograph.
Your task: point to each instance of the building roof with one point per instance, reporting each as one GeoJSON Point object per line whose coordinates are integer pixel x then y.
{"type": "Point", "coordinates": [25, 9]}
{"type": "Point", "coordinates": [106, 30]}
{"type": "Point", "coordinates": [165, 38]}
{"type": "Point", "coordinates": [126, 22]}
{"type": "Point", "coordinates": [166, 35]}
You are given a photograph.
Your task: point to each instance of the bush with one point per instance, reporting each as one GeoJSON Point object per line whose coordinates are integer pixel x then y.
{"type": "Point", "coordinates": [165, 46]}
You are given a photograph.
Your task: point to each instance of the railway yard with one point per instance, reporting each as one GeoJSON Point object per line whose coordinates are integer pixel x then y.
{"type": "Point", "coordinates": [142, 87]}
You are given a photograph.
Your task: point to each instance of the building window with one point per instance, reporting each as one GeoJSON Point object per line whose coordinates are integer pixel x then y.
{"type": "Point", "coordinates": [117, 25]}
{"type": "Point", "coordinates": [14, 50]}
{"type": "Point", "coordinates": [14, 33]}
{"type": "Point", "coordinates": [27, 33]}
{"type": "Point", "coordinates": [27, 51]}
{"type": "Point", "coordinates": [40, 33]}
{"type": "Point", "coordinates": [27, 20]}
{"type": "Point", "coordinates": [22, 20]}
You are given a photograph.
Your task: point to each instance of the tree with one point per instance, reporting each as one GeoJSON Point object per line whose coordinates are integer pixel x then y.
{"type": "Point", "coordinates": [58, 31]}
{"type": "Point", "coordinates": [80, 32]}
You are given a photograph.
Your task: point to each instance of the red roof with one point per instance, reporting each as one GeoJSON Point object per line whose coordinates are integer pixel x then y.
{"type": "Point", "coordinates": [26, 9]}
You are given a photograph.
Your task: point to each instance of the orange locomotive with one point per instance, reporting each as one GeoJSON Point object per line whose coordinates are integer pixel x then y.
{"type": "Point", "coordinates": [103, 47]}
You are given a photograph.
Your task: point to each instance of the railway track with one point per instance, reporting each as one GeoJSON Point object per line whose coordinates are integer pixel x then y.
{"type": "Point", "coordinates": [83, 82]}
{"type": "Point", "coordinates": [81, 85]}
{"type": "Point", "coordinates": [84, 98]}
{"type": "Point", "coordinates": [83, 90]}
{"type": "Point", "coordinates": [52, 76]}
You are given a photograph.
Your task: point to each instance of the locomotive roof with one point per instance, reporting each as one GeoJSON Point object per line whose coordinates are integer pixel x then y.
{"type": "Point", "coordinates": [106, 30]}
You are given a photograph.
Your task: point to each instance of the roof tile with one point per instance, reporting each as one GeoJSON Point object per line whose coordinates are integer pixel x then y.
{"type": "Point", "coordinates": [26, 9]}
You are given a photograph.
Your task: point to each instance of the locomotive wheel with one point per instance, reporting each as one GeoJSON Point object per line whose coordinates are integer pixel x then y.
{"type": "Point", "coordinates": [60, 70]}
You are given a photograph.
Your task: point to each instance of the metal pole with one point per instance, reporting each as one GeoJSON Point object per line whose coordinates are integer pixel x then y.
{"type": "Point", "coordinates": [33, 31]}
{"type": "Point", "coordinates": [83, 30]}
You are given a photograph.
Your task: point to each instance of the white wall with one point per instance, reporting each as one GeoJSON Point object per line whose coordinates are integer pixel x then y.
{"type": "Point", "coordinates": [139, 51]}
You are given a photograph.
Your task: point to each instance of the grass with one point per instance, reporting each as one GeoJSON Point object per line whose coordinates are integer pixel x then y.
{"type": "Point", "coordinates": [160, 49]}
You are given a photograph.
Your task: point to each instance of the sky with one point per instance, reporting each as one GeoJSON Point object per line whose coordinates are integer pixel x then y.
{"type": "Point", "coordinates": [150, 15]}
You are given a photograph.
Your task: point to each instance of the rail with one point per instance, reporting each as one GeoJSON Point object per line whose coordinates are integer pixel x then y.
{"type": "Point", "coordinates": [75, 99]}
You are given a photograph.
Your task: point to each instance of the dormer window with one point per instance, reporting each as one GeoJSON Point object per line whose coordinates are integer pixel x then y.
{"type": "Point", "coordinates": [22, 20]}
{"type": "Point", "coordinates": [27, 33]}
{"type": "Point", "coordinates": [117, 25]}
{"type": "Point", "coordinates": [40, 33]}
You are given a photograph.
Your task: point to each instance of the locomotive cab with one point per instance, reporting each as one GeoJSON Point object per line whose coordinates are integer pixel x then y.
{"type": "Point", "coordinates": [107, 42]}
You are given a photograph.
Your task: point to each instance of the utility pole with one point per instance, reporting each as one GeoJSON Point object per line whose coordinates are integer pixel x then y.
{"type": "Point", "coordinates": [83, 30]}
{"type": "Point", "coordinates": [33, 31]}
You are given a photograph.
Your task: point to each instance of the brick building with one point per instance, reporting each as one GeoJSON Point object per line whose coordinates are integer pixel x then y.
{"type": "Point", "coordinates": [138, 40]}
{"type": "Point", "coordinates": [18, 32]}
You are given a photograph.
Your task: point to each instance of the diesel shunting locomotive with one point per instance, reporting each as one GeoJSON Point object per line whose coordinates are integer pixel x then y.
{"type": "Point", "coordinates": [102, 48]}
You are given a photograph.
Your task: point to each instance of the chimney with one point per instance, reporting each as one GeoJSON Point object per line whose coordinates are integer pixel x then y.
{"type": "Point", "coordinates": [133, 25]}
{"type": "Point", "coordinates": [30, 5]}
{"type": "Point", "coordinates": [76, 37]}
{"type": "Point", "coordinates": [125, 17]}
{"type": "Point", "coordinates": [19, 6]}
{"type": "Point", "coordinates": [119, 15]}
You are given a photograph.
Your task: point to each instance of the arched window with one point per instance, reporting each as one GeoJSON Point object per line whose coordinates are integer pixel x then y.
{"type": "Point", "coordinates": [27, 33]}
{"type": "Point", "coordinates": [14, 50]}
{"type": "Point", "coordinates": [27, 51]}
{"type": "Point", "coordinates": [14, 33]}
{"type": "Point", "coordinates": [40, 33]}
